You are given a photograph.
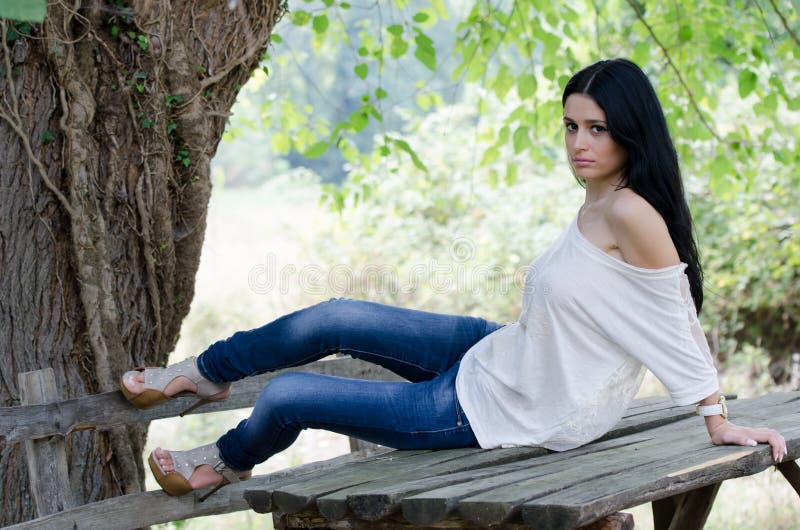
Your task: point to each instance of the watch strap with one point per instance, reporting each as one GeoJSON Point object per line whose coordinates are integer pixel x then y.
{"type": "Point", "coordinates": [717, 409]}
{"type": "Point", "coordinates": [710, 410]}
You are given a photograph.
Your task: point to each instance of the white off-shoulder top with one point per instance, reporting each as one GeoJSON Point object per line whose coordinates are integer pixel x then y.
{"type": "Point", "coordinates": [565, 372]}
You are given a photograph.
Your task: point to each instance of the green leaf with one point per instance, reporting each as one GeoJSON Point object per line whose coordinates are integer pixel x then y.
{"type": "Point", "coordinates": [503, 82]}
{"type": "Point", "coordinates": [512, 171]}
{"type": "Point", "coordinates": [281, 142]}
{"type": "Point", "coordinates": [317, 150]}
{"type": "Point", "coordinates": [421, 17]}
{"type": "Point", "coordinates": [320, 23]}
{"type": "Point", "coordinates": [361, 70]}
{"type": "Point", "coordinates": [395, 29]}
{"type": "Point", "coordinates": [398, 48]}
{"type": "Point", "coordinates": [275, 38]}
{"type": "Point", "coordinates": [359, 120]}
{"type": "Point", "coordinates": [46, 137]}
{"type": "Point", "coordinates": [300, 18]}
{"type": "Point", "coordinates": [426, 56]}
{"type": "Point", "coordinates": [29, 10]}
{"type": "Point", "coordinates": [526, 85]}
{"type": "Point", "coordinates": [521, 139]}
{"type": "Point", "coordinates": [747, 82]}
{"type": "Point", "coordinates": [490, 156]}
{"type": "Point", "coordinates": [403, 145]}
{"type": "Point", "coordinates": [771, 102]}
{"type": "Point", "coordinates": [685, 33]}
{"type": "Point", "coordinates": [380, 93]}
{"type": "Point", "coordinates": [721, 182]}
{"type": "Point", "coordinates": [425, 52]}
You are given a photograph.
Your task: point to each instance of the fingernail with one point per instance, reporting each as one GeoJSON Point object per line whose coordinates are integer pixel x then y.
{"type": "Point", "coordinates": [752, 443]}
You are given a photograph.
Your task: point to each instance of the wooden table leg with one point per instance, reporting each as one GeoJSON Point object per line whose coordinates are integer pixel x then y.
{"type": "Point", "coordinates": [685, 511]}
{"type": "Point", "coordinates": [791, 471]}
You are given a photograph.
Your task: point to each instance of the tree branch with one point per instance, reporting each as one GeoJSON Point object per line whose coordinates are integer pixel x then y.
{"type": "Point", "coordinates": [677, 72]}
{"type": "Point", "coordinates": [784, 22]}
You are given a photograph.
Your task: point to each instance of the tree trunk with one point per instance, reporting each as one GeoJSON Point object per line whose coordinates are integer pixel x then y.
{"type": "Point", "coordinates": [110, 115]}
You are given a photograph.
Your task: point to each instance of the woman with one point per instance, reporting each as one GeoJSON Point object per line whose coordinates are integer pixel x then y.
{"type": "Point", "coordinates": [618, 290]}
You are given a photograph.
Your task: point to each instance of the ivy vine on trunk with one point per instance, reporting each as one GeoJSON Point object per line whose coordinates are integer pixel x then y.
{"type": "Point", "coordinates": [110, 115]}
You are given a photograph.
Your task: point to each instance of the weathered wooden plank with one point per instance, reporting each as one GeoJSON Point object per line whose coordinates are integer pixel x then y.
{"type": "Point", "coordinates": [502, 502]}
{"type": "Point", "coordinates": [261, 496]}
{"type": "Point", "coordinates": [701, 465]}
{"type": "Point", "coordinates": [154, 507]}
{"type": "Point", "coordinates": [258, 496]}
{"type": "Point", "coordinates": [376, 499]}
{"type": "Point", "coordinates": [47, 457]}
{"type": "Point", "coordinates": [685, 511]}
{"type": "Point", "coordinates": [294, 497]}
{"type": "Point", "coordinates": [651, 414]}
{"type": "Point", "coordinates": [100, 411]}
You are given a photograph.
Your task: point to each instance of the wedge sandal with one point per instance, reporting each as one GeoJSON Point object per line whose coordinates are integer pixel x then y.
{"type": "Point", "coordinates": [157, 379]}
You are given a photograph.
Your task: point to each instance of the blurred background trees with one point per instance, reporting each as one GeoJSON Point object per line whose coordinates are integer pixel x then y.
{"type": "Point", "coordinates": [445, 116]}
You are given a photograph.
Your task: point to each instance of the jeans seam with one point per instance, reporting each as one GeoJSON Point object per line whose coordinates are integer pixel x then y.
{"type": "Point", "coordinates": [392, 430]}
{"type": "Point", "coordinates": [407, 363]}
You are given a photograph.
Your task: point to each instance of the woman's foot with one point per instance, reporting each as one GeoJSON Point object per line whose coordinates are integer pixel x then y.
{"type": "Point", "coordinates": [148, 387]}
{"type": "Point", "coordinates": [134, 382]}
{"type": "Point", "coordinates": [202, 477]}
{"type": "Point", "coordinates": [181, 472]}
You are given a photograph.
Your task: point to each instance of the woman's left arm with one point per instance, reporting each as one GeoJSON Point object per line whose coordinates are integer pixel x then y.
{"type": "Point", "coordinates": [644, 241]}
{"type": "Point", "coordinates": [723, 432]}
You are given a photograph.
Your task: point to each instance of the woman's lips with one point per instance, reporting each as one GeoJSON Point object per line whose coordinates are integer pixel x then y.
{"type": "Point", "coordinates": [581, 162]}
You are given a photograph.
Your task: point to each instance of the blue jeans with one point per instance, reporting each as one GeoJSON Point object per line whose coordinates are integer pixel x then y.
{"type": "Point", "coordinates": [423, 347]}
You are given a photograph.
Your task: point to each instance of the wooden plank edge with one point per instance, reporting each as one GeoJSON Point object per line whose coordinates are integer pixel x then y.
{"type": "Point", "coordinates": [100, 411]}
{"type": "Point", "coordinates": [154, 507]}
{"type": "Point", "coordinates": [743, 462]}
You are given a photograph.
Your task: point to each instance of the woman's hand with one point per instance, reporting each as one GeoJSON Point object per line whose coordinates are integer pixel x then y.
{"type": "Point", "coordinates": [726, 433]}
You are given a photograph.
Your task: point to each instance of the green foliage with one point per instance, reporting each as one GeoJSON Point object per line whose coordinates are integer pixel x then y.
{"type": "Point", "coordinates": [17, 30]}
{"type": "Point", "coordinates": [23, 10]}
{"type": "Point", "coordinates": [725, 72]}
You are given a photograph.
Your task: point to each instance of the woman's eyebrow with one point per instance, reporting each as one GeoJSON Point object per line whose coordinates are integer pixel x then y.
{"type": "Point", "coordinates": [590, 120]}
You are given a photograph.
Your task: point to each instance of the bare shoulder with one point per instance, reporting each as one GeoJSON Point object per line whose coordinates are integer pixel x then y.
{"type": "Point", "coordinates": [640, 232]}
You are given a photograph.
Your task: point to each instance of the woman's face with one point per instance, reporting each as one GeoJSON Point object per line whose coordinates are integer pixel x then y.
{"type": "Point", "coordinates": [593, 154]}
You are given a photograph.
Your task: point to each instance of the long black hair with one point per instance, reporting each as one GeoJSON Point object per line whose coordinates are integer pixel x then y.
{"type": "Point", "coordinates": [636, 122]}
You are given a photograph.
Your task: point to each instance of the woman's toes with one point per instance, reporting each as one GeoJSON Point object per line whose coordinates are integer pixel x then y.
{"type": "Point", "coordinates": [164, 460]}
{"type": "Point", "coordinates": [134, 381]}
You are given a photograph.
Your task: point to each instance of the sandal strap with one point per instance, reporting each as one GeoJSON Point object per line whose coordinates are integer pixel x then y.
{"type": "Point", "coordinates": [185, 462]}
{"type": "Point", "coordinates": [159, 378]}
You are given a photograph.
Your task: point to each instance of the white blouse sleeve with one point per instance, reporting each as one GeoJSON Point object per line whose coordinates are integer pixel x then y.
{"type": "Point", "coordinates": [656, 322]}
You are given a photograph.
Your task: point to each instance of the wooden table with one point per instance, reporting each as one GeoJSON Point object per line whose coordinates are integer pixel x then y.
{"type": "Point", "coordinates": [658, 452]}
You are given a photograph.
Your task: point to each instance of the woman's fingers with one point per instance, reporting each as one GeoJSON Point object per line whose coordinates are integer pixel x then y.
{"type": "Point", "coordinates": [751, 436]}
{"type": "Point", "coordinates": [774, 439]}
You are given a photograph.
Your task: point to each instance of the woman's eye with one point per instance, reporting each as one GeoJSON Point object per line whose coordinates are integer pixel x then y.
{"type": "Point", "coordinates": [598, 128]}
{"type": "Point", "coordinates": [571, 127]}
